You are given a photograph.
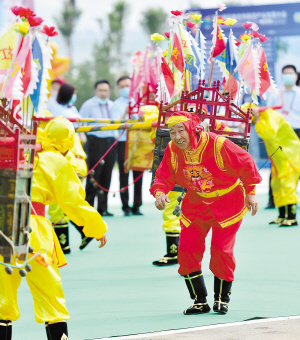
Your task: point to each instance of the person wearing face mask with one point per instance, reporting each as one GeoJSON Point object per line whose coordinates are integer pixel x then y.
{"type": "Point", "coordinates": [120, 111]}
{"type": "Point", "coordinates": [99, 142]}
{"type": "Point", "coordinates": [63, 105]}
{"type": "Point", "coordinates": [55, 86]}
{"type": "Point", "coordinates": [288, 97]}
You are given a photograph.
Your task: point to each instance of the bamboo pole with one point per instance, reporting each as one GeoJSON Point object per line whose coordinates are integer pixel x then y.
{"type": "Point", "coordinates": [131, 126]}
{"type": "Point", "coordinates": [89, 120]}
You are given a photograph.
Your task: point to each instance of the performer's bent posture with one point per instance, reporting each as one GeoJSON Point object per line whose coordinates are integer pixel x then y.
{"type": "Point", "coordinates": [54, 180]}
{"type": "Point", "coordinates": [171, 223]}
{"type": "Point", "coordinates": [220, 179]}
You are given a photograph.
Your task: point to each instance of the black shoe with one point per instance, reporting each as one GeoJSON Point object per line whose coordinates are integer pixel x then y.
{"type": "Point", "coordinates": [85, 241]}
{"type": "Point", "coordinates": [172, 240]}
{"type": "Point", "coordinates": [137, 213]}
{"type": "Point", "coordinates": [166, 261]}
{"type": "Point", "coordinates": [270, 205]}
{"type": "Point", "coordinates": [277, 221]}
{"type": "Point", "coordinates": [127, 212]}
{"type": "Point", "coordinates": [222, 290]}
{"type": "Point", "coordinates": [220, 307]}
{"type": "Point", "coordinates": [106, 213]}
{"type": "Point", "coordinates": [288, 223]}
{"type": "Point", "coordinates": [197, 308]}
{"type": "Point", "coordinates": [281, 217]}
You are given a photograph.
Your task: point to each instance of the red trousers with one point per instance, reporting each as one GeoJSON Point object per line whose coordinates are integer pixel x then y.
{"type": "Point", "coordinates": [192, 246]}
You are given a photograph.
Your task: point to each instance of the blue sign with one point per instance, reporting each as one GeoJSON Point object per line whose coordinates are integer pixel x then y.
{"type": "Point", "coordinates": [274, 21]}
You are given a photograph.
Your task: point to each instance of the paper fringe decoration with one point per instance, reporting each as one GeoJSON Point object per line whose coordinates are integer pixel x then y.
{"type": "Point", "coordinates": [202, 46]}
{"type": "Point", "coordinates": [34, 76]}
{"type": "Point", "coordinates": [47, 57]}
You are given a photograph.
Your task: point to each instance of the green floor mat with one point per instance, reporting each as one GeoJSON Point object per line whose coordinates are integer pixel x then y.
{"type": "Point", "coordinates": [116, 291]}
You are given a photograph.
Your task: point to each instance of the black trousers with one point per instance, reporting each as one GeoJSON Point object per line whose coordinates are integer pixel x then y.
{"type": "Point", "coordinates": [297, 132]}
{"type": "Point", "coordinates": [137, 201]}
{"type": "Point", "coordinates": [96, 149]}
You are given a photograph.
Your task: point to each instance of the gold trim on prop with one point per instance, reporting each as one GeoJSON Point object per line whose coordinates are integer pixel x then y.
{"type": "Point", "coordinates": [218, 143]}
{"type": "Point", "coordinates": [233, 220]}
{"type": "Point", "coordinates": [176, 120]}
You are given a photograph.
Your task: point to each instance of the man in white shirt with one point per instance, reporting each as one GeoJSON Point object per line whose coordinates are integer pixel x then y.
{"type": "Point", "coordinates": [119, 111]}
{"type": "Point", "coordinates": [98, 143]}
{"type": "Point", "coordinates": [289, 97]}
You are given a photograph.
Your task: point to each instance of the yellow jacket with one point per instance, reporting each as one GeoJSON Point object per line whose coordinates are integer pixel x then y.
{"type": "Point", "coordinates": [275, 131]}
{"type": "Point", "coordinates": [54, 180]}
{"type": "Point", "coordinates": [77, 157]}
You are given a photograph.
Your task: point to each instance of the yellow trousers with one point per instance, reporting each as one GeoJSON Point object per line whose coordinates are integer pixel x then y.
{"type": "Point", "coordinates": [46, 289]}
{"type": "Point", "coordinates": [171, 222]}
{"type": "Point", "coordinates": [284, 189]}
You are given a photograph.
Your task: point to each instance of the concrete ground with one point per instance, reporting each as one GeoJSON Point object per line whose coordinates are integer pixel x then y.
{"type": "Point", "coordinates": [262, 329]}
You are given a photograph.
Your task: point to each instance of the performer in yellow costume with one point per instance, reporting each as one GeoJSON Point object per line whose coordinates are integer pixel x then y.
{"type": "Point", "coordinates": [60, 221]}
{"type": "Point", "coordinates": [285, 165]}
{"type": "Point", "coordinates": [54, 180]}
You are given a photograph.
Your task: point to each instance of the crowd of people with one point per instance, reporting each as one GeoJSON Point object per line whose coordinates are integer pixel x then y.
{"type": "Point", "coordinates": [61, 103]}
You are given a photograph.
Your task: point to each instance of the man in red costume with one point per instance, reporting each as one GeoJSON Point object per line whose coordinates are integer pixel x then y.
{"type": "Point", "coordinates": [220, 179]}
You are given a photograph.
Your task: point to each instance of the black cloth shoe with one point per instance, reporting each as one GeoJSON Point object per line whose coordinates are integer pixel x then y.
{"type": "Point", "coordinates": [106, 213]}
{"type": "Point", "coordinates": [290, 220]}
{"type": "Point", "coordinates": [220, 307]}
{"type": "Point", "coordinates": [288, 223]}
{"type": "Point", "coordinates": [278, 220]}
{"type": "Point", "coordinates": [127, 212]}
{"type": "Point", "coordinates": [196, 287]}
{"type": "Point", "coordinates": [222, 290]}
{"type": "Point", "coordinates": [170, 258]}
{"type": "Point", "coordinates": [5, 329]}
{"type": "Point", "coordinates": [197, 308]}
{"type": "Point", "coordinates": [281, 216]}
{"type": "Point", "coordinates": [137, 212]}
{"type": "Point", "coordinates": [166, 261]}
{"type": "Point", "coordinates": [85, 241]}
{"type": "Point", "coordinates": [62, 232]}
{"type": "Point", "coordinates": [57, 331]}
